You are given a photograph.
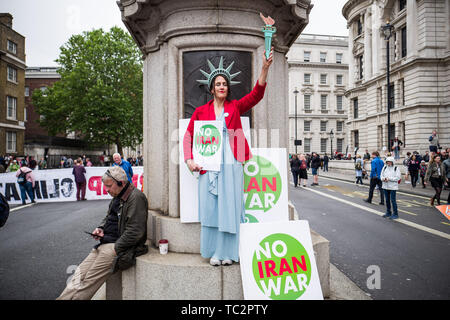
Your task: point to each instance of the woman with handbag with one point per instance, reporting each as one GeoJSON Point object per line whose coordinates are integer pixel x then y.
{"type": "Point", "coordinates": [436, 176]}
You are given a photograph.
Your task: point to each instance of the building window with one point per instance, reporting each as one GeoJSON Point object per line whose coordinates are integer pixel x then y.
{"type": "Point", "coordinates": [401, 5]}
{"type": "Point", "coordinates": [340, 144]}
{"type": "Point", "coordinates": [323, 57]}
{"type": "Point", "coordinates": [307, 78]}
{"type": "Point", "coordinates": [27, 91]}
{"type": "Point", "coordinates": [307, 144]}
{"type": "Point", "coordinates": [11, 106]}
{"type": "Point", "coordinates": [307, 125]}
{"type": "Point", "coordinates": [323, 78]}
{"type": "Point", "coordinates": [306, 56]}
{"type": "Point", "coordinates": [323, 125]}
{"type": "Point", "coordinates": [338, 57]}
{"type": "Point", "coordinates": [339, 78]}
{"type": "Point", "coordinates": [355, 108]}
{"type": "Point", "coordinates": [12, 74]}
{"type": "Point", "coordinates": [11, 141]}
{"type": "Point", "coordinates": [323, 101]}
{"type": "Point", "coordinates": [340, 126]}
{"type": "Point", "coordinates": [356, 138]}
{"type": "Point", "coordinates": [359, 27]}
{"type": "Point", "coordinates": [307, 101]}
{"type": "Point", "coordinates": [403, 37]}
{"type": "Point", "coordinates": [360, 65]}
{"type": "Point", "coordinates": [323, 145]}
{"type": "Point", "coordinates": [12, 47]}
{"type": "Point", "coordinates": [391, 96]}
{"type": "Point", "coordinates": [339, 103]}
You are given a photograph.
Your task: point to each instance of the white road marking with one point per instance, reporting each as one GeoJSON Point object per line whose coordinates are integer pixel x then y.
{"type": "Point", "coordinates": [21, 207]}
{"type": "Point", "coordinates": [367, 186]}
{"type": "Point", "coordinates": [408, 223]}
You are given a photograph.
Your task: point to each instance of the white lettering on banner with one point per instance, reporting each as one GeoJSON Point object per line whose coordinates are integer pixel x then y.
{"type": "Point", "coordinates": [59, 185]}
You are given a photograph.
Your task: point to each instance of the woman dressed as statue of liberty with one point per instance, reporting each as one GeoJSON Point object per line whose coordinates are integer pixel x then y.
{"type": "Point", "coordinates": [221, 193]}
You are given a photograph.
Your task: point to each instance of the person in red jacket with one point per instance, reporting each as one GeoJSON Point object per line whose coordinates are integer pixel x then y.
{"type": "Point", "coordinates": [221, 201]}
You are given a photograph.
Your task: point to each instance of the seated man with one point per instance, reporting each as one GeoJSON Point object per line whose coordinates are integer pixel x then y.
{"type": "Point", "coordinates": [122, 236]}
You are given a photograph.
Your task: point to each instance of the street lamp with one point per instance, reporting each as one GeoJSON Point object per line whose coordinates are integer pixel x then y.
{"type": "Point", "coordinates": [387, 31]}
{"type": "Point", "coordinates": [295, 141]}
{"type": "Point", "coordinates": [331, 148]}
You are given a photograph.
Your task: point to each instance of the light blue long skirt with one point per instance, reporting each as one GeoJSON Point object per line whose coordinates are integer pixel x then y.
{"type": "Point", "coordinates": [221, 205]}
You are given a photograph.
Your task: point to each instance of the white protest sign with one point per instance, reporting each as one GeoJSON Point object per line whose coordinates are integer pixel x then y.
{"type": "Point", "coordinates": [207, 144]}
{"type": "Point", "coordinates": [59, 185]}
{"type": "Point", "coordinates": [266, 186]}
{"type": "Point", "coordinates": [189, 181]}
{"type": "Point", "coordinates": [277, 261]}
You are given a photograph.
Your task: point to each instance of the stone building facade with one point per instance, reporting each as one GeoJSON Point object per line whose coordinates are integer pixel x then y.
{"type": "Point", "coordinates": [12, 86]}
{"type": "Point", "coordinates": [318, 70]}
{"type": "Point", "coordinates": [419, 54]}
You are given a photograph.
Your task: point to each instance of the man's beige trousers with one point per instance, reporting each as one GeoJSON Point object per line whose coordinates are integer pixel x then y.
{"type": "Point", "coordinates": [90, 274]}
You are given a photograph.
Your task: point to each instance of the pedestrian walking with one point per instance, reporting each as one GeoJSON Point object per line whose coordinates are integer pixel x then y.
{"type": "Point", "coordinates": [406, 166]}
{"type": "Point", "coordinates": [315, 164]}
{"type": "Point", "coordinates": [390, 176]}
{"type": "Point", "coordinates": [303, 173]}
{"type": "Point", "coordinates": [88, 162]}
{"type": "Point", "coordinates": [122, 235]}
{"type": "Point", "coordinates": [125, 165]}
{"type": "Point", "coordinates": [434, 142]}
{"type": "Point", "coordinates": [396, 144]}
{"type": "Point", "coordinates": [359, 169]}
{"type": "Point", "coordinates": [423, 171]}
{"type": "Point", "coordinates": [295, 168]}
{"type": "Point", "coordinates": [447, 176]}
{"type": "Point", "coordinates": [436, 176]}
{"type": "Point", "coordinates": [413, 168]}
{"type": "Point", "coordinates": [26, 181]}
{"type": "Point", "coordinates": [375, 177]}
{"type": "Point", "coordinates": [80, 179]}
{"type": "Point", "coordinates": [13, 167]}
{"type": "Point", "coordinates": [325, 162]}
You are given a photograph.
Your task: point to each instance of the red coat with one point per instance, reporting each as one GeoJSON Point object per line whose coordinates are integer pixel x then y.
{"type": "Point", "coordinates": [235, 109]}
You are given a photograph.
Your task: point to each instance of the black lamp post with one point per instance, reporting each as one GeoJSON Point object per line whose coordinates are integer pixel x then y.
{"type": "Point", "coordinates": [331, 138]}
{"type": "Point", "coordinates": [387, 31]}
{"type": "Point", "coordinates": [295, 141]}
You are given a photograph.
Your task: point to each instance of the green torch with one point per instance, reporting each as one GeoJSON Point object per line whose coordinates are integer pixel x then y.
{"type": "Point", "coordinates": [268, 30]}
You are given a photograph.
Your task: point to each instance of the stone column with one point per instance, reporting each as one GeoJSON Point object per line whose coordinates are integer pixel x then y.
{"type": "Point", "coordinates": [368, 44]}
{"type": "Point", "coordinates": [164, 30]}
{"type": "Point", "coordinates": [411, 27]}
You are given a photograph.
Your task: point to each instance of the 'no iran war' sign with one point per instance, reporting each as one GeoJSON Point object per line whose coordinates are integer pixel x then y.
{"type": "Point", "coordinates": [207, 144]}
{"type": "Point", "coordinates": [59, 185]}
{"type": "Point", "coordinates": [277, 261]}
{"type": "Point", "coordinates": [189, 181]}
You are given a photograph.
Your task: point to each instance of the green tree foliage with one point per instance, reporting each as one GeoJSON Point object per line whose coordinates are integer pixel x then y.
{"type": "Point", "coordinates": [99, 96]}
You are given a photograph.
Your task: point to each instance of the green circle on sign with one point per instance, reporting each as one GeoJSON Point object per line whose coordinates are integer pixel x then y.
{"type": "Point", "coordinates": [281, 267]}
{"type": "Point", "coordinates": [250, 219]}
{"type": "Point", "coordinates": [262, 184]}
{"type": "Point", "coordinates": [207, 140]}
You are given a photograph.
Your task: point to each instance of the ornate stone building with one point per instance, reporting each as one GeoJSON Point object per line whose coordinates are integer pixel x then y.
{"type": "Point", "coordinates": [318, 70]}
{"type": "Point", "coordinates": [419, 54]}
{"type": "Point", "coordinates": [12, 86]}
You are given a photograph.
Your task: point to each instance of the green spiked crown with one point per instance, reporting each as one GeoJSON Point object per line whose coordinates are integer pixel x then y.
{"type": "Point", "coordinates": [219, 71]}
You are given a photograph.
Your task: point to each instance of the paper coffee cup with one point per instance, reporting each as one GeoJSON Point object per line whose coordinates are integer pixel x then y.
{"type": "Point", "coordinates": [163, 246]}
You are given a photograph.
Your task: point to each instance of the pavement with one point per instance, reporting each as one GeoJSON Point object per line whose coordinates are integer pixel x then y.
{"type": "Point", "coordinates": [344, 175]}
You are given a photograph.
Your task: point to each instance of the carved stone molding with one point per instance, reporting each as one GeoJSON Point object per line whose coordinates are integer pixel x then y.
{"type": "Point", "coordinates": [153, 22]}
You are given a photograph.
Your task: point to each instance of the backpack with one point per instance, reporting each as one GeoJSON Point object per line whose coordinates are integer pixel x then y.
{"type": "Point", "coordinates": [303, 164]}
{"type": "Point", "coordinates": [22, 178]}
{"type": "Point", "coordinates": [4, 210]}
{"type": "Point", "coordinates": [358, 165]}
{"type": "Point", "coordinates": [406, 162]}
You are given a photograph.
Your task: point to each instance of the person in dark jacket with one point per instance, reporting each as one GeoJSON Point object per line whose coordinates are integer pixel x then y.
{"type": "Point", "coordinates": [122, 236]}
{"type": "Point", "coordinates": [315, 164]}
{"type": "Point", "coordinates": [295, 169]}
{"type": "Point", "coordinates": [413, 168]}
{"type": "Point", "coordinates": [375, 177]}
{"type": "Point", "coordinates": [325, 162]}
{"type": "Point", "coordinates": [79, 172]}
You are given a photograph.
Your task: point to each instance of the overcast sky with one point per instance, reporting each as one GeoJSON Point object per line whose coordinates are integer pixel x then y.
{"type": "Point", "coordinates": [48, 24]}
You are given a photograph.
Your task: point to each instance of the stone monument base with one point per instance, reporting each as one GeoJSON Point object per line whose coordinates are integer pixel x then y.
{"type": "Point", "coordinates": [186, 275]}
